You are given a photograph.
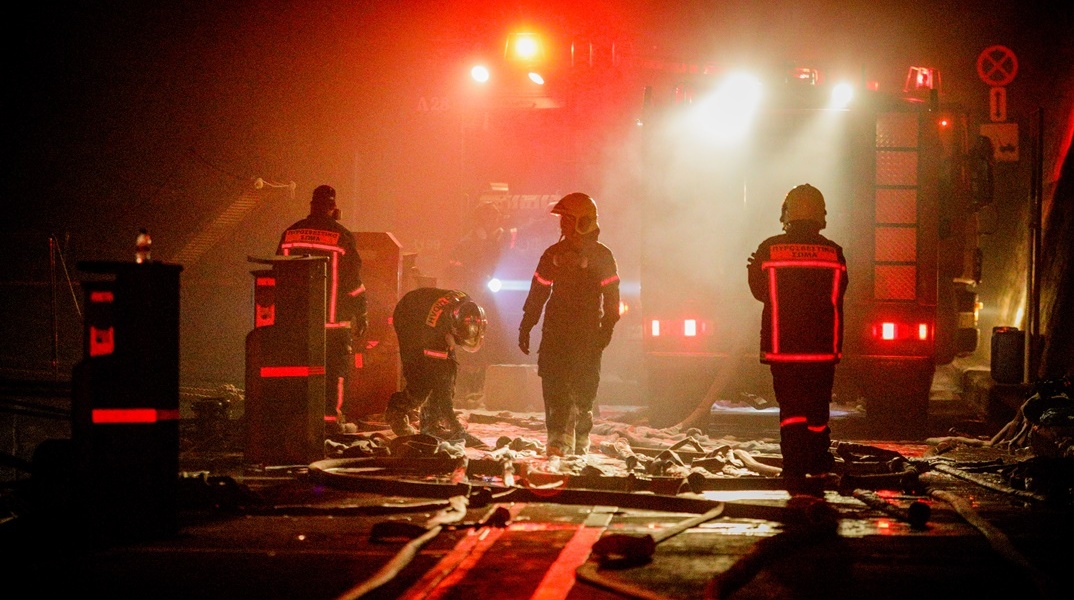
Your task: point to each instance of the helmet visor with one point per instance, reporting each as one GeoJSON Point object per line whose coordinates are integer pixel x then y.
{"type": "Point", "coordinates": [469, 329]}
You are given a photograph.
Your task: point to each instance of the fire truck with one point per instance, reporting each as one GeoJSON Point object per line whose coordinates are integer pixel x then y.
{"type": "Point", "coordinates": [903, 180]}
{"type": "Point", "coordinates": [713, 152]}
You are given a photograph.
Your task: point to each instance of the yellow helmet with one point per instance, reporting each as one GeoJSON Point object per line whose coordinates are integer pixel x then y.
{"type": "Point", "coordinates": [582, 208]}
{"type": "Point", "coordinates": [804, 203]}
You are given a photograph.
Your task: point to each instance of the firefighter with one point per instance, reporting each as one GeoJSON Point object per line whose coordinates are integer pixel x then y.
{"type": "Point", "coordinates": [430, 323]}
{"type": "Point", "coordinates": [801, 278]}
{"type": "Point", "coordinates": [577, 277]}
{"type": "Point", "coordinates": [346, 319]}
{"type": "Point", "coordinates": [471, 266]}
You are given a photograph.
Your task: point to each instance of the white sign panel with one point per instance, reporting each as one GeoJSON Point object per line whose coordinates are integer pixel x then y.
{"type": "Point", "coordinates": [1004, 138]}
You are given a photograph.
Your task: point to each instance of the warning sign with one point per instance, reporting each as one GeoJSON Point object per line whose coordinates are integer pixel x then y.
{"type": "Point", "coordinates": [1004, 138]}
{"type": "Point", "coordinates": [997, 66]}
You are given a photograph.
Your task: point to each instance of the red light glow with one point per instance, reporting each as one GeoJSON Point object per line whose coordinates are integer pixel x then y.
{"type": "Point", "coordinates": [112, 416]}
{"type": "Point", "coordinates": [892, 331]}
{"type": "Point", "coordinates": [524, 47]}
{"type": "Point", "coordinates": [689, 327]}
{"type": "Point", "coordinates": [887, 331]}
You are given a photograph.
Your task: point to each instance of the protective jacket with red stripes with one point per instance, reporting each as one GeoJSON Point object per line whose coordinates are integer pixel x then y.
{"type": "Point", "coordinates": [323, 236]}
{"type": "Point", "coordinates": [801, 277]}
{"type": "Point", "coordinates": [581, 289]}
{"type": "Point", "coordinates": [423, 320]}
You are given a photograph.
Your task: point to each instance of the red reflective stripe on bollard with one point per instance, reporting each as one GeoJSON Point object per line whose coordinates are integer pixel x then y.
{"type": "Point", "coordinates": [291, 371]}
{"type": "Point", "coordinates": [102, 416]}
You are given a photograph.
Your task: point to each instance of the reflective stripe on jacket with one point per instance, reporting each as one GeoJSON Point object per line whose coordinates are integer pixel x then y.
{"type": "Point", "coordinates": [801, 277]}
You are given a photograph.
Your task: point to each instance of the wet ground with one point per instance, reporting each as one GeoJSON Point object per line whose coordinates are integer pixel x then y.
{"type": "Point", "coordinates": [943, 516]}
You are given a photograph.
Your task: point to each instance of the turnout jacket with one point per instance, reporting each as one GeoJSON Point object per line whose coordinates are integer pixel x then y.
{"type": "Point", "coordinates": [801, 277]}
{"type": "Point", "coordinates": [324, 236]}
{"type": "Point", "coordinates": [581, 289]}
{"type": "Point", "coordinates": [423, 321]}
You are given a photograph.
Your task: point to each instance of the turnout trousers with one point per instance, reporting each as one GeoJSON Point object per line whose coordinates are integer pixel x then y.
{"type": "Point", "coordinates": [569, 382]}
{"type": "Point", "coordinates": [430, 389]}
{"type": "Point", "coordinates": [804, 392]}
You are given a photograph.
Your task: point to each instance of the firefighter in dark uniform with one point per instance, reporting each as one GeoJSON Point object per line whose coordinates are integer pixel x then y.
{"type": "Point", "coordinates": [320, 234]}
{"type": "Point", "coordinates": [801, 277]}
{"type": "Point", "coordinates": [430, 324]}
{"type": "Point", "coordinates": [578, 279]}
{"type": "Point", "coordinates": [471, 265]}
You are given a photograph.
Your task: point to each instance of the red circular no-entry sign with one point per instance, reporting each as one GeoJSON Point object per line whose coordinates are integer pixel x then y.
{"type": "Point", "coordinates": [997, 66]}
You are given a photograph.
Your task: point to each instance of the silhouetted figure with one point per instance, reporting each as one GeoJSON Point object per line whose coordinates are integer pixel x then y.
{"type": "Point", "coordinates": [801, 277]}
{"type": "Point", "coordinates": [320, 234]}
{"type": "Point", "coordinates": [578, 279]}
{"type": "Point", "coordinates": [430, 324]}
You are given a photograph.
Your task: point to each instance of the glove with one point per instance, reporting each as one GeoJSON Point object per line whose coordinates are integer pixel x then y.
{"type": "Point", "coordinates": [524, 340]}
{"type": "Point", "coordinates": [359, 326]}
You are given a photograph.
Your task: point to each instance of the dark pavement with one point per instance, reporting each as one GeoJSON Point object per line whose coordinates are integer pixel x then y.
{"type": "Point", "coordinates": [909, 518]}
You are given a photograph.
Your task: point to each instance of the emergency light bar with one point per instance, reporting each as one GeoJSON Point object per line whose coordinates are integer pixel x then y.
{"type": "Point", "coordinates": [524, 47]}
{"type": "Point", "coordinates": [922, 78]}
{"type": "Point", "coordinates": [803, 75]}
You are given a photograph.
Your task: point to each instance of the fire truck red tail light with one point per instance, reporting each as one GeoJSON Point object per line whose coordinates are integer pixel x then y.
{"type": "Point", "coordinates": [887, 331]}
{"type": "Point", "coordinates": [680, 328]}
{"type": "Point", "coordinates": [893, 331]}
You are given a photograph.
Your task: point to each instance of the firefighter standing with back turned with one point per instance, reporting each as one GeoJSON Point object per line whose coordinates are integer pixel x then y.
{"type": "Point", "coordinates": [578, 279]}
{"type": "Point", "coordinates": [321, 234]}
{"type": "Point", "coordinates": [430, 324]}
{"type": "Point", "coordinates": [801, 277]}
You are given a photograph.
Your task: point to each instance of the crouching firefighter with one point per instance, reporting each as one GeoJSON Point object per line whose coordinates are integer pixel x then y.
{"type": "Point", "coordinates": [801, 277]}
{"type": "Point", "coordinates": [430, 324]}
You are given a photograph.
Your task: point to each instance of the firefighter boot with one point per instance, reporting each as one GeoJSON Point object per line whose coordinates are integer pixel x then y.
{"type": "Point", "coordinates": [795, 448]}
{"type": "Point", "coordinates": [821, 459]}
{"type": "Point", "coordinates": [583, 424]}
{"type": "Point", "coordinates": [558, 444]}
